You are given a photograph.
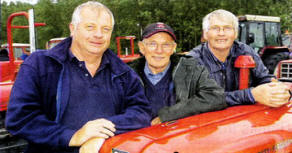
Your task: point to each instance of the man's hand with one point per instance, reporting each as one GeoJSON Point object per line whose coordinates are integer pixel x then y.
{"type": "Point", "coordinates": [100, 128]}
{"type": "Point", "coordinates": [274, 94]}
{"type": "Point", "coordinates": [156, 121]}
{"type": "Point", "coordinates": [92, 145]}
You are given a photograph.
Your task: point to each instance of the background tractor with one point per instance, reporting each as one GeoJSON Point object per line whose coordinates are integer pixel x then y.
{"type": "Point", "coordinates": [287, 40]}
{"type": "Point", "coordinates": [9, 67]}
{"type": "Point", "coordinates": [263, 33]}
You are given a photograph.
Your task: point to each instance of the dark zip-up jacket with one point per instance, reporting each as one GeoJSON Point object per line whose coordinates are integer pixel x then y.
{"type": "Point", "coordinates": [195, 91]}
{"type": "Point", "coordinates": [227, 76]}
{"type": "Point", "coordinates": [41, 92]}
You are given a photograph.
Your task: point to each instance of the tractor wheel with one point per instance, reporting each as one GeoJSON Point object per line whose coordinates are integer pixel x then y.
{"type": "Point", "coordinates": [272, 60]}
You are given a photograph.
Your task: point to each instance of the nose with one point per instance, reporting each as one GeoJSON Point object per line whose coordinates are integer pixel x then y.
{"type": "Point", "coordinates": [221, 31]}
{"type": "Point", "coordinates": [98, 33]}
{"type": "Point", "coordinates": [159, 48]}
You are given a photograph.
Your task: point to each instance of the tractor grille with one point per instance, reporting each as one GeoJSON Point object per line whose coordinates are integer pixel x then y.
{"type": "Point", "coordinates": [286, 71]}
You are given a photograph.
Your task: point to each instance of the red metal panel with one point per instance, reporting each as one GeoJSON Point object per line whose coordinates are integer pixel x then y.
{"type": "Point", "coordinates": [5, 89]}
{"type": "Point", "coordinates": [252, 128]}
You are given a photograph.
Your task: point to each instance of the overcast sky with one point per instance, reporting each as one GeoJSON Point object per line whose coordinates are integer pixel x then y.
{"type": "Point", "coordinates": [26, 1]}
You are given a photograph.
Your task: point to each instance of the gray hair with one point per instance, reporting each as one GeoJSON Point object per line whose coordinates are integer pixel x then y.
{"type": "Point", "coordinates": [76, 17]}
{"type": "Point", "coordinates": [221, 14]}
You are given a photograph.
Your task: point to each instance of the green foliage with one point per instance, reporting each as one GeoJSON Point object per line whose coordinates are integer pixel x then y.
{"type": "Point", "coordinates": [184, 16]}
{"type": "Point", "coordinates": [22, 34]}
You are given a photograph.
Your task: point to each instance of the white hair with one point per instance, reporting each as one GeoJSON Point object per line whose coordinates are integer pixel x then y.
{"type": "Point", "coordinates": [76, 17]}
{"type": "Point", "coordinates": [223, 15]}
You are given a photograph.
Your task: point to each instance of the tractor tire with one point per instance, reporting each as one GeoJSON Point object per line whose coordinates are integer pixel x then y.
{"type": "Point", "coordinates": [272, 60]}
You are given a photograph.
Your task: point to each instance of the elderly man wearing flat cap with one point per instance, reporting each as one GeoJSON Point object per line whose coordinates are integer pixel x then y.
{"type": "Point", "coordinates": [175, 85]}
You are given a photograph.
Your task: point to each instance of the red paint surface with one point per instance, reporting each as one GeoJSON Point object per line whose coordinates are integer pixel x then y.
{"type": "Point", "coordinates": [245, 129]}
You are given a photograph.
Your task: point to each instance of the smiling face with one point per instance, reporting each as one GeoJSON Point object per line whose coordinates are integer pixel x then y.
{"type": "Point", "coordinates": [219, 35]}
{"type": "Point", "coordinates": [91, 37]}
{"type": "Point", "coordinates": [157, 50]}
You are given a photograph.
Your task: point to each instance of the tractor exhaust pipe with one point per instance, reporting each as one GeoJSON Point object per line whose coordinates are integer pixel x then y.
{"type": "Point", "coordinates": [244, 63]}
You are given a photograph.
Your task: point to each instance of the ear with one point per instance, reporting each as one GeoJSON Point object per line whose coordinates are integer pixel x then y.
{"type": "Point", "coordinates": [141, 47]}
{"type": "Point", "coordinates": [72, 29]}
{"type": "Point", "coordinates": [174, 48]}
{"type": "Point", "coordinates": [205, 35]}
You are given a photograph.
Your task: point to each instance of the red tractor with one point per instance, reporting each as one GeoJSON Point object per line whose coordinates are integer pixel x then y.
{"type": "Point", "coordinates": [8, 72]}
{"type": "Point", "coordinates": [283, 70]}
{"type": "Point", "coordinates": [263, 33]}
{"type": "Point", "coordinates": [237, 129]}
{"type": "Point", "coordinates": [124, 55]}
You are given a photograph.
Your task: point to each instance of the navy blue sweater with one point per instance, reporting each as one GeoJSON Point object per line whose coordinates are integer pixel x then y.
{"type": "Point", "coordinates": [161, 94]}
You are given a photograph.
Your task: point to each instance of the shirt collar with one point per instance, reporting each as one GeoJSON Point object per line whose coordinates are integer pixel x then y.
{"type": "Point", "coordinates": [212, 55]}
{"type": "Point", "coordinates": [148, 71]}
{"type": "Point", "coordinates": [105, 61]}
{"type": "Point", "coordinates": [154, 78]}
{"type": "Point", "coordinates": [71, 56]}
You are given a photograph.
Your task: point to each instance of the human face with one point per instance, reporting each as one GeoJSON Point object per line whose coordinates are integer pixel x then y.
{"type": "Point", "coordinates": [91, 37]}
{"type": "Point", "coordinates": [157, 50]}
{"type": "Point", "coordinates": [221, 35]}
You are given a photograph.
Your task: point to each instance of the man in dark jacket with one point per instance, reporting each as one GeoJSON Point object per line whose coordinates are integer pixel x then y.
{"type": "Point", "coordinates": [218, 55]}
{"type": "Point", "coordinates": [78, 93]}
{"type": "Point", "coordinates": [175, 85]}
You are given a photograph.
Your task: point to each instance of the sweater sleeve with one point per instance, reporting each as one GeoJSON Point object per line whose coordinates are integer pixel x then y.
{"type": "Point", "coordinates": [136, 112]}
{"type": "Point", "coordinates": [239, 97]}
{"type": "Point", "coordinates": [25, 117]}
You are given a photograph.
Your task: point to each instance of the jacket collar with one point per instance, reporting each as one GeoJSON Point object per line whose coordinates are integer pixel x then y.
{"type": "Point", "coordinates": [59, 52]}
{"type": "Point", "coordinates": [217, 65]}
{"type": "Point", "coordinates": [214, 64]}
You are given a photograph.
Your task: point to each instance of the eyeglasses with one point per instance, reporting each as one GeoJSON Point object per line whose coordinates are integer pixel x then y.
{"type": "Point", "coordinates": [153, 45]}
{"type": "Point", "coordinates": [224, 28]}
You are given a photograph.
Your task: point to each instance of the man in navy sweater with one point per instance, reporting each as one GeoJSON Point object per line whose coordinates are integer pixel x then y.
{"type": "Point", "coordinates": [175, 85]}
{"type": "Point", "coordinates": [74, 96]}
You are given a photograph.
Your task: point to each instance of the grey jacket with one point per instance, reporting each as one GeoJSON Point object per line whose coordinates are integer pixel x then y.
{"type": "Point", "coordinates": [195, 92]}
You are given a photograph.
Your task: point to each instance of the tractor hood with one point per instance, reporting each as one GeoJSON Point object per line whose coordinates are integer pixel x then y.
{"type": "Point", "coordinates": [249, 128]}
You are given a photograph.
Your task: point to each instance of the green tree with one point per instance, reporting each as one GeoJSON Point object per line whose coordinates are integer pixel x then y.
{"type": "Point", "coordinates": [185, 16]}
